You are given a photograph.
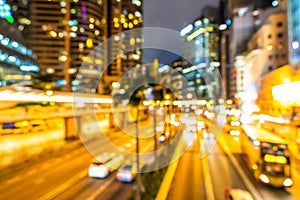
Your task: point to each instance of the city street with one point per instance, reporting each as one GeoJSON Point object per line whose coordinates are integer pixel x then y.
{"type": "Point", "coordinates": [189, 181]}
{"type": "Point", "coordinates": [149, 100]}
{"type": "Point", "coordinates": [65, 175]}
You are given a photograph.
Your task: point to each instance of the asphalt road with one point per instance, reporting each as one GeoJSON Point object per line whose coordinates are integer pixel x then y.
{"type": "Point", "coordinates": [61, 174]}
{"type": "Point", "coordinates": [64, 176]}
{"type": "Point", "coordinates": [189, 181]}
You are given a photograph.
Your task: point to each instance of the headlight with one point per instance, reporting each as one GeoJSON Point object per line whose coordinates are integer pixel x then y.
{"type": "Point", "coordinates": [264, 178]}
{"type": "Point", "coordinates": [288, 182]}
{"type": "Point", "coordinates": [234, 132]}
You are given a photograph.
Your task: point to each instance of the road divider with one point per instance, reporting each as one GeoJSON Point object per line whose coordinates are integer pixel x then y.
{"type": "Point", "coordinates": [165, 185]}
{"type": "Point", "coordinates": [242, 174]}
{"type": "Point", "coordinates": [207, 180]}
{"type": "Point", "coordinates": [101, 189]}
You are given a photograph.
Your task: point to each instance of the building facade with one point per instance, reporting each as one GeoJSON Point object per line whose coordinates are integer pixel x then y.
{"type": "Point", "coordinates": [123, 16]}
{"type": "Point", "coordinates": [201, 47]}
{"type": "Point", "coordinates": [239, 20]}
{"type": "Point", "coordinates": [62, 34]}
{"type": "Point", "coordinates": [267, 50]}
{"type": "Point", "coordinates": [17, 61]}
{"type": "Point", "coordinates": [294, 33]}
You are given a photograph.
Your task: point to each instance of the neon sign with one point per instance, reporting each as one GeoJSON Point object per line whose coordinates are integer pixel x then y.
{"type": "Point", "coordinates": [5, 11]}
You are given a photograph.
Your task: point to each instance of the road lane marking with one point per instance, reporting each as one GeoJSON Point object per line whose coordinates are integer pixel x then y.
{"type": "Point", "coordinates": [46, 165]}
{"type": "Point", "coordinates": [64, 186]}
{"type": "Point", "coordinates": [166, 183]}
{"type": "Point", "coordinates": [101, 189]}
{"type": "Point", "coordinates": [242, 174]}
{"type": "Point", "coordinates": [207, 180]}
{"type": "Point", "coordinates": [39, 181]}
{"type": "Point", "coordinates": [31, 172]}
{"type": "Point", "coordinates": [12, 180]}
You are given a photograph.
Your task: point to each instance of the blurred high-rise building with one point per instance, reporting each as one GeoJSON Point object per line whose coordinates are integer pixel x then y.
{"type": "Point", "coordinates": [123, 16]}
{"type": "Point", "coordinates": [62, 34]}
{"type": "Point", "coordinates": [177, 77]}
{"type": "Point", "coordinates": [294, 33]}
{"type": "Point", "coordinates": [201, 51]}
{"type": "Point", "coordinates": [266, 51]}
{"type": "Point", "coordinates": [17, 61]}
{"type": "Point", "coordinates": [240, 19]}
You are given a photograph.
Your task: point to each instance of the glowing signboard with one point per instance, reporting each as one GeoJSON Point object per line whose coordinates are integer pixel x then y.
{"type": "Point", "coordinates": [5, 11]}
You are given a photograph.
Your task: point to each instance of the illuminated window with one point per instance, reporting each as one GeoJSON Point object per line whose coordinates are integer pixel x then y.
{"type": "Point", "coordinates": [269, 47]}
{"type": "Point", "coordinates": [130, 16]}
{"type": "Point", "coordinates": [130, 25]}
{"type": "Point", "coordinates": [63, 10]}
{"type": "Point", "coordinates": [132, 41]}
{"type": "Point", "coordinates": [50, 70]}
{"type": "Point", "coordinates": [91, 26]}
{"type": "Point", "coordinates": [92, 20]}
{"type": "Point", "coordinates": [63, 4]}
{"type": "Point", "coordinates": [89, 43]}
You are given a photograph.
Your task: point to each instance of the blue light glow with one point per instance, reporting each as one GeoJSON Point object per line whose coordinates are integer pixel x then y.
{"type": "Point", "coordinates": [30, 68]}
{"type": "Point", "coordinates": [60, 82]}
{"type": "Point", "coordinates": [275, 3]}
{"type": "Point", "coordinates": [5, 11]}
{"type": "Point", "coordinates": [228, 22]}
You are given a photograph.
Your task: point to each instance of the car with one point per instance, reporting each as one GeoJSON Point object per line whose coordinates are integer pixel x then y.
{"type": "Point", "coordinates": [104, 164]}
{"type": "Point", "coordinates": [237, 194]}
{"type": "Point", "coordinates": [163, 137]}
{"type": "Point", "coordinates": [235, 123]}
{"type": "Point", "coordinates": [234, 132]}
{"type": "Point", "coordinates": [128, 172]}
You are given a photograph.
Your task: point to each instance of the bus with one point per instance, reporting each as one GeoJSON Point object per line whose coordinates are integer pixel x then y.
{"type": "Point", "coordinates": [267, 155]}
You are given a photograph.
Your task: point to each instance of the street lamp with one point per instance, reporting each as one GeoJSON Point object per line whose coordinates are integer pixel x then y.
{"type": "Point", "coordinates": [138, 182]}
{"type": "Point", "coordinates": [153, 111]}
{"type": "Point", "coordinates": [67, 44]}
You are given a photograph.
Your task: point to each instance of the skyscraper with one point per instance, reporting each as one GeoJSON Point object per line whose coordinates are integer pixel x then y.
{"type": "Point", "coordinates": [17, 61]}
{"type": "Point", "coordinates": [201, 47]}
{"type": "Point", "coordinates": [294, 33]}
{"type": "Point", "coordinates": [62, 33]}
{"type": "Point", "coordinates": [242, 18]}
{"type": "Point", "coordinates": [122, 16]}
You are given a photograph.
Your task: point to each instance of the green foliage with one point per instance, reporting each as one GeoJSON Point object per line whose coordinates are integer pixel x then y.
{"type": "Point", "coordinates": [151, 182]}
{"type": "Point", "coordinates": [26, 104]}
{"type": "Point", "coordinates": [137, 96]}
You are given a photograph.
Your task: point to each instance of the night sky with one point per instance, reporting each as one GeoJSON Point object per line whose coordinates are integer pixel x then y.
{"type": "Point", "coordinates": [171, 14]}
